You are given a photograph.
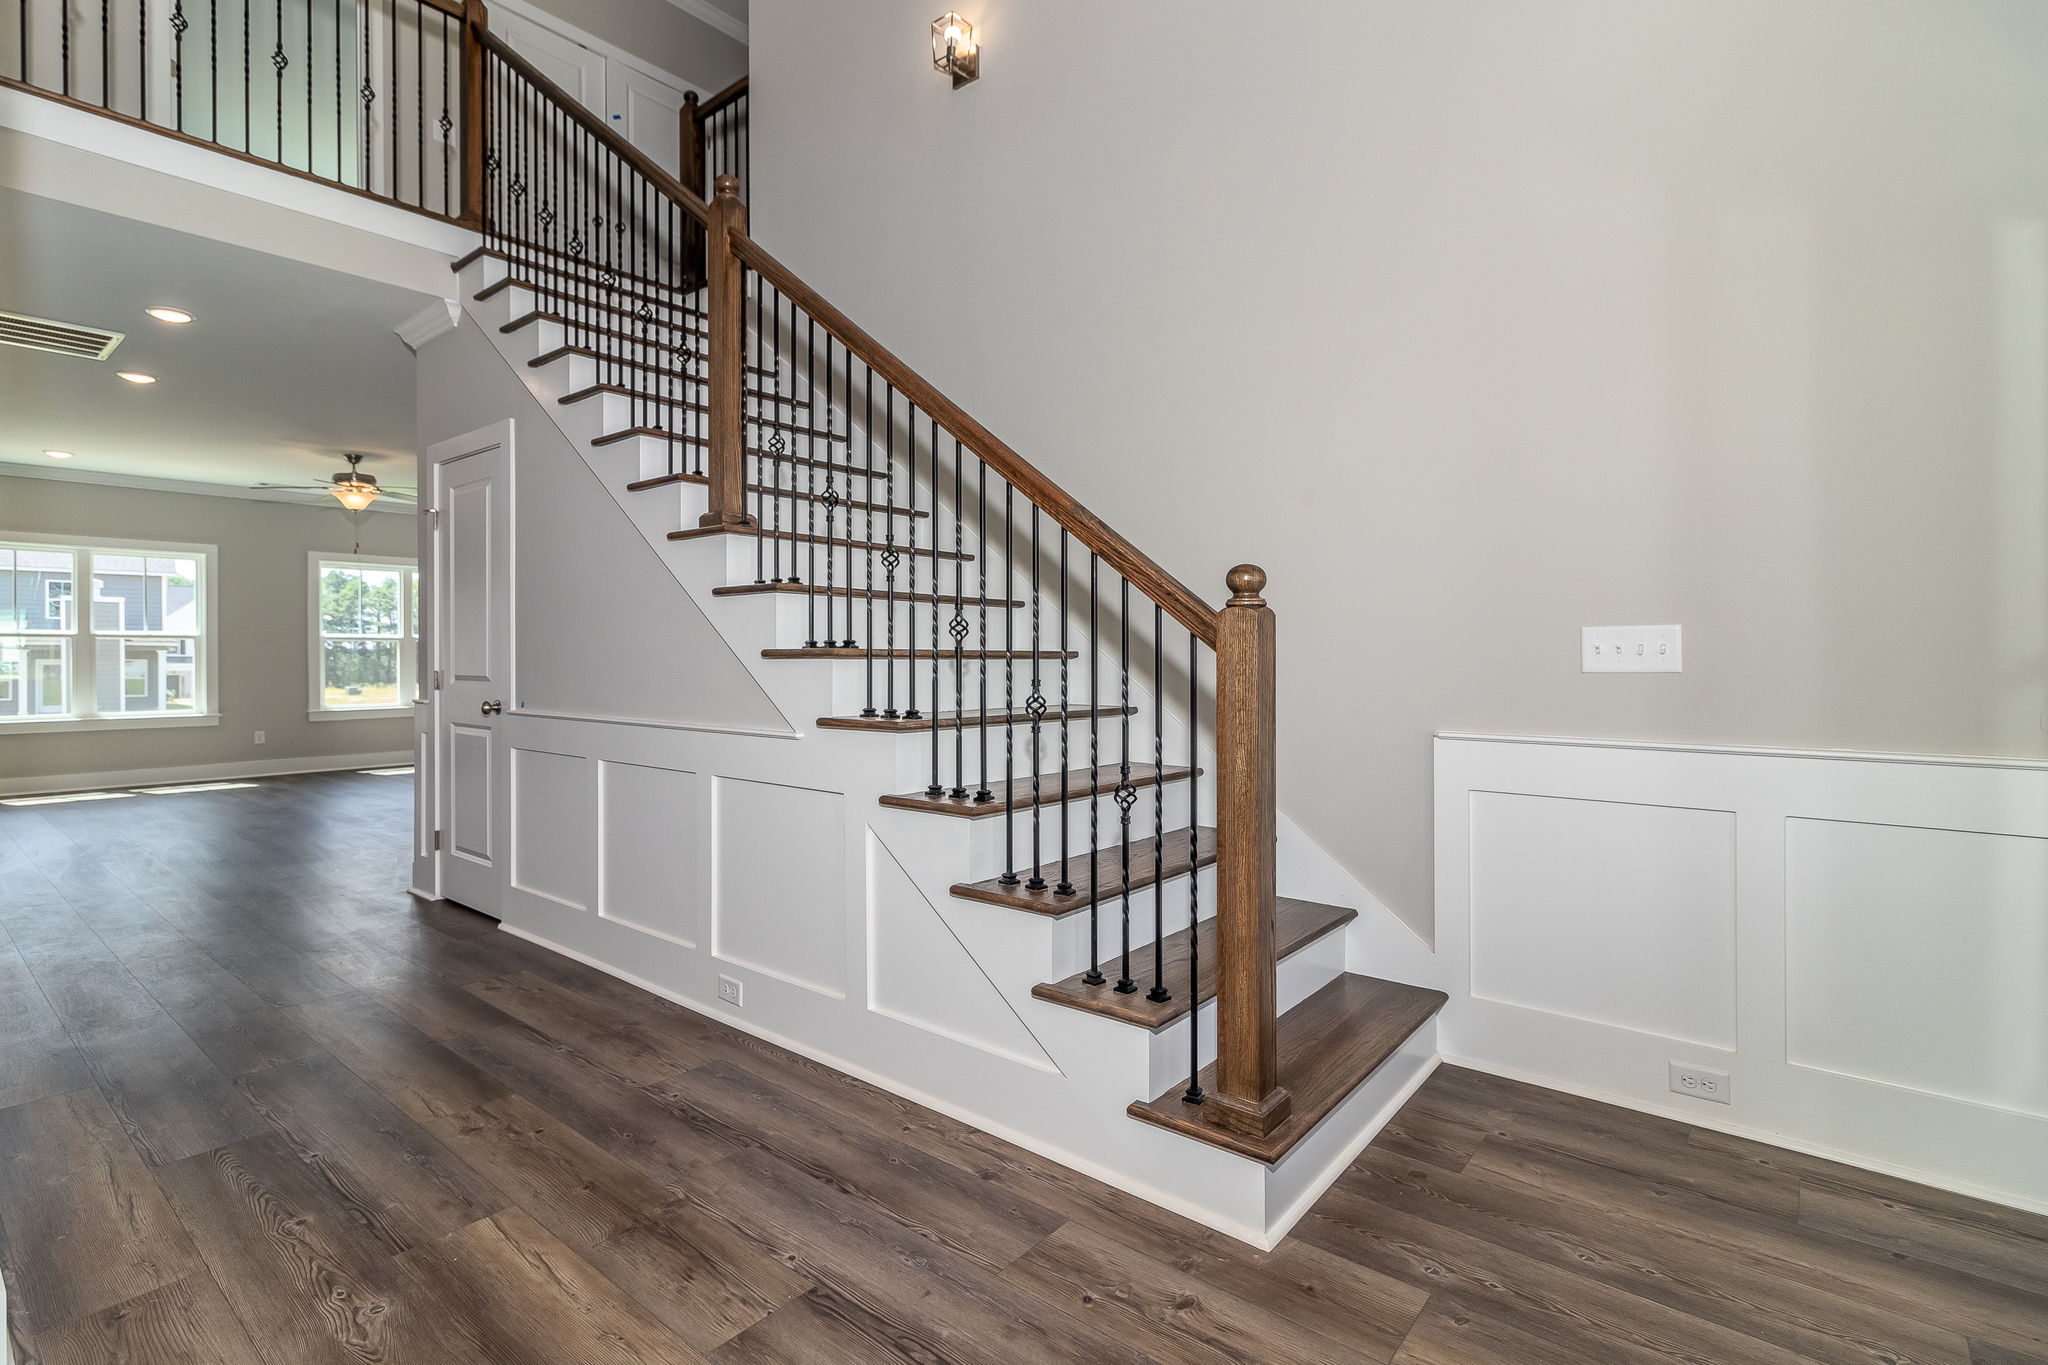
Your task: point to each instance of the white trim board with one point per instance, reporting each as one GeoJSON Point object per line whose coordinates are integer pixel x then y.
{"type": "Point", "coordinates": [1852, 939]}
{"type": "Point", "coordinates": [731, 26]}
{"type": "Point", "coordinates": [59, 783]}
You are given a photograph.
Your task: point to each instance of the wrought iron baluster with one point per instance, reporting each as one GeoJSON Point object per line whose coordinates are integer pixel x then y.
{"type": "Point", "coordinates": [982, 793]}
{"type": "Point", "coordinates": [1065, 886]}
{"type": "Point", "coordinates": [1094, 976]}
{"type": "Point", "coordinates": [958, 630]}
{"type": "Point", "coordinates": [1159, 991]}
{"type": "Point", "coordinates": [1009, 877]}
{"type": "Point", "coordinates": [890, 558]}
{"type": "Point", "coordinates": [1034, 707]}
{"type": "Point", "coordinates": [810, 487]}
{"type": "Point", "coordinates": [934, 788]}
{"type": "Point", "coordinates": [1126, 795]}
{"type": "Point", "coordinates": [1193, 1094]}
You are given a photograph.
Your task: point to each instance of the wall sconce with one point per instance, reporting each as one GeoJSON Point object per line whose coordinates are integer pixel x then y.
{"type": "Point", "coordinates": [954, 50]}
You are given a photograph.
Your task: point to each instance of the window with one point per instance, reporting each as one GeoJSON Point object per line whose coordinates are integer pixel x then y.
{"type": "Point", "coordinates": [131, 648]}
{"type": "Point", "coordinates": [365, 635]}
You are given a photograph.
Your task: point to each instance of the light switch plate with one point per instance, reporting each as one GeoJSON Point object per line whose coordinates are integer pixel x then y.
{"type": "Point", "coordinates": [1631, 649]}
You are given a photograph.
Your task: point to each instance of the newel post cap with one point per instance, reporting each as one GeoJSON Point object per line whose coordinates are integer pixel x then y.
{"type": "Point", "coordinates": [725, 187]}
{"type": "Point", "coordinates": [1246, 582]}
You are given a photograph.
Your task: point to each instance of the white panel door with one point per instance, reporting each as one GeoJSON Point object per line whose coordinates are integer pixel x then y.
{"type": "Point", "coordinates": [563, 60]}
{"type": "Point", "coordinates": [472, 620]}
{"type": "Point", "coordinates": [645, 110]}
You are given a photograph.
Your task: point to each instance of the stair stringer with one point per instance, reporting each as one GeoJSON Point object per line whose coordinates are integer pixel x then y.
{"type": "Point", "coordinates": [1070, 1109]}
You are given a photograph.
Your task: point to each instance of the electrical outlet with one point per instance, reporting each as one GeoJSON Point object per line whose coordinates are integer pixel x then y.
{"type": "Point", "coordinates": [1630, 649]}
{"type": "Point", "coordinates": [1700, 1082]}
{"type": "Point", "coordinates": [729, 991]}
{"type": "Point", "coordinates": [259, 736]}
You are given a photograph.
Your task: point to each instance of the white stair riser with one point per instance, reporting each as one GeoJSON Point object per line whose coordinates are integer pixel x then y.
{"type": "Point", "coordinates": [1069, 944]}
{"type": "Point", "coordinates": [1299, 976]}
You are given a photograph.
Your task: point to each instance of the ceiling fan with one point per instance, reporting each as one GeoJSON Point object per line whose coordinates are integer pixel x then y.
{"type": "Point", "coordinates": [354, 489]}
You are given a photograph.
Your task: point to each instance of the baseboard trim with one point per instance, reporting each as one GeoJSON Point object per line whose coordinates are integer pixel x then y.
{"type": "Point", "coordinates": [1243, 1232]}
{"type": "Point", "coordinates": [1714, 1123]}
{"type": "Point", "coordinates": [58, 784]}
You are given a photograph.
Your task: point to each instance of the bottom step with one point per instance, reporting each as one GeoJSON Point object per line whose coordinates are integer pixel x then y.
{"type": "Point", "coordinates": [1328, 1045]}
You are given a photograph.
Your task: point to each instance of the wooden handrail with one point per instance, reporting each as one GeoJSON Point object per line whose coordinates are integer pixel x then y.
{"type": "Point", "coordinates": [1180, 601]}
{"type": "Point", "coordinates": [624, 150]}
{"type": "Point", "coordinates": [729, 95]}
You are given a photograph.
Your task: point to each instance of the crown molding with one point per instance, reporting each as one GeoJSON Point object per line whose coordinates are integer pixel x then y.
{"type": "Point", "coordinates": [314, 498]}
{"type": "Point", "coordinates": [735, 29]}
{"type": "Point", "coordinates": [437, 319]}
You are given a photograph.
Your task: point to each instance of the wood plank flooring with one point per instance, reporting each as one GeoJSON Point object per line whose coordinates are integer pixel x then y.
{"type": "Point", "coordinates": [259, 1107]}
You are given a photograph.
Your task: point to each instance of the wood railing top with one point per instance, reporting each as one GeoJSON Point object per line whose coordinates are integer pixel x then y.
{"type": "Point", "coordinates": [624, 150]}
{"type": "Point", "coordinates": [713, 103]}
{"type": "Point", "coordinates": [1180, 601]}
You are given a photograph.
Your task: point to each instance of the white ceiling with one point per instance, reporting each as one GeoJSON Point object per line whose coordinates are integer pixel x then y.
{"type": "Point", "coordinates": [285, 366]}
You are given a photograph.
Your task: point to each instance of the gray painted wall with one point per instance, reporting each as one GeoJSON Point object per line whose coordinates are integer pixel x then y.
{"type": "Point", "coordinates": [601, 628]}
{"type": "Point", "coordinates": [1479, 323]}
{"type": "Point", "coordinates": [262, 629]}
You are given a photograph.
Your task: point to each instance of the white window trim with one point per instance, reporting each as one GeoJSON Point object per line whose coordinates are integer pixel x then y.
{"type": "Point", "coordinates": [206, 710]}
{"type": "Point", "coordinates": [408, 637]}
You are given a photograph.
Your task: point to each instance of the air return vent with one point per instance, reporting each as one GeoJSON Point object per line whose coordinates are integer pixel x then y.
{"type": "Point", "coordinates": [61, 338]}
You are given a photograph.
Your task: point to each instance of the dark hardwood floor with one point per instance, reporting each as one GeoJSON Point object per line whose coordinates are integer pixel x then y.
{"type": "Point", "coordinates": [257, 1105]}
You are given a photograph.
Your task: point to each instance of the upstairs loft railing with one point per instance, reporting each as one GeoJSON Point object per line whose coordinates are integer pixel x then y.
{"type": "Point", "coordinates": [868, 492]}
{"type": "Point", "coordinates": [716, 139]}
{"type": "Point", "coordinates": [365, 95]}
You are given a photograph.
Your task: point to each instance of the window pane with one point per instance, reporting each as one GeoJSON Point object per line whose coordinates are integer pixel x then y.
{"type": "Point", "coordinates": [358, 673]}
{"type": "Point", "coordinates": [150, 674]}
{"type": "Point", "coordinates": [137, 592]}
{"type": "Point", "coordinates": [35, 677]}
{"type": "Point", "coordinates": [356, 601]}
{"type": "Point", "coordinates": [36, 590]}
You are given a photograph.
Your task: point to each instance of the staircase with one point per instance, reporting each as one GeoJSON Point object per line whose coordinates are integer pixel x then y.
{"type": "Point", "coordinates": [1024, 669]}
{"type": "Point", "coordinates": [1072, 741]}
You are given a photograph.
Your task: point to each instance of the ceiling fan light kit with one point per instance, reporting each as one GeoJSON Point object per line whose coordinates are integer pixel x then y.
{"type": "Point", "coordinates": [354, 489]}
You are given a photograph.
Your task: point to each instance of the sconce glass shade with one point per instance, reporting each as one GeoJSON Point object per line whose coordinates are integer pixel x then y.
{"type": "Point", "coordinates": [954, 50]}
{"type": "Point", "coordinates": [355, 491]}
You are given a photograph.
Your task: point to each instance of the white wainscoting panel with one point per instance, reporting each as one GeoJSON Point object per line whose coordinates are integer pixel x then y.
{"type": "Point", "coordinates": [553, 829]}
{"type": "Point", "coordinates": [1859, 940]}
{"type": "Point", "coordinates": [780, 901]}
{"type": "Point", "coordinates": [648, 857]}
{"type": "Point", "coordinates": [1919, 958]}
{"type": "Point", "coordinates": [1618, 913]}
{"type": "Point", "coordinates": [920, 973]}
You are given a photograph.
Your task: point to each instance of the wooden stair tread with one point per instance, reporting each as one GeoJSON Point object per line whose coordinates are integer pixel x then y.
{"type": "Point", "coordinates": [576, 264]}
{"type": "Point", "coordinates": [755, 371]}
{"type": "Point", "coordinates": [544, 315]}
{"type": "Point", "coordinates": [683, 404]}
{"type": "Point", "coordinates": [1296, 924]}
{"type": "Point", "coordinates": [851, 504]}
{"type": "Point", "coordinates": [970, 719]}
{"type": "Point", "coordinates": [582, 303]}
{"type": "Point", "coordinates": [1108, 873]}
{"type": "Point", "coordinates": [801, 538]}
{"type": "Point", "coordinates": [879, 594]}
{"type": "Point", "coordinates": [664, 371]}
{"type": "Point", "coordinates": [1328, 1045]}
{"type": "Point", "coordinates": [1052, 789]}
{"type": "Point", "coordinates": [862, 652]}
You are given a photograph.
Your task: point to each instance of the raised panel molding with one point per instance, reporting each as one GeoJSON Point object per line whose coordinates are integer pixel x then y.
{"type": "Point", "coordinates": [772, 912]}
{"type": "Point", "coordinates": [1918, 957]}
{"type": "Point", "coordinates": [919, 973]}
{"type": "Point", "coordinates": [1618, 913]}
{"type": "Point", "coordinates": [553, 835]}
{"type": "Point", "coordinates": [648, 858]}
{"type": "Point", "coordinates": [1859, 940]}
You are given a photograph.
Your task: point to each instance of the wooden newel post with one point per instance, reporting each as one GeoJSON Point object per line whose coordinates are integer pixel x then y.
{"type": "Point", "coordinates": [475, 22]}
{"type": "Point", "coordinates": [1247, 1095]}
{"type": "Point", "coordinates": [690, 136]}
{"type": "Point", "coordinates": [727, 468]}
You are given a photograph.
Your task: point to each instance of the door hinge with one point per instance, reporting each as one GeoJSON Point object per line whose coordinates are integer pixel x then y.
{"type": "Point", "coordinates": [437, 680]}
{"type": "Point", "coordinates": [437, 841]}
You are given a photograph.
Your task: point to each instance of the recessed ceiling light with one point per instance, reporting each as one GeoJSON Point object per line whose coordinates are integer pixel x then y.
{"type": "Point", "coordinates": [58, 454]}
{"type": "Point", "coordinates": [174, 316]}
{"type": "Point", "coordinates": [138, 377]}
